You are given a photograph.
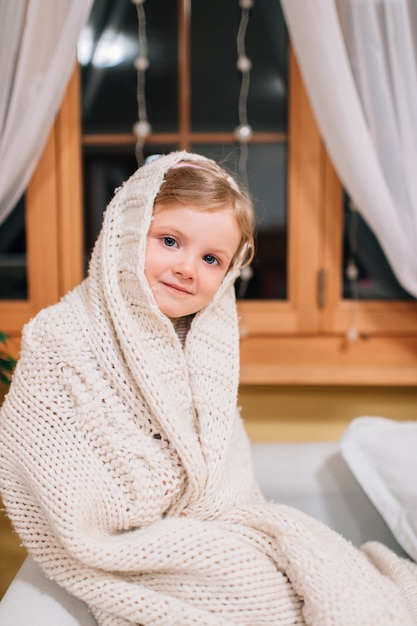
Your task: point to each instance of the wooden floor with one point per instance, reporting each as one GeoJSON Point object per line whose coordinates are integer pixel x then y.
{"type": "Point", "coordinates": [12, 554]}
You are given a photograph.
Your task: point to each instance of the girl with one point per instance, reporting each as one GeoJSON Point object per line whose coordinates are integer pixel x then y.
{"type": "Point", "coordinates": [124, 465]}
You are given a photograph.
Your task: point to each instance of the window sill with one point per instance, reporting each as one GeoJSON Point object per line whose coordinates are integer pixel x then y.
{"type": "Point", "coordinates": [386, 361]}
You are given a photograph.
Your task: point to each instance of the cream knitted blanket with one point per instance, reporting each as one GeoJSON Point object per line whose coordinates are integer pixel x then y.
{"type": "Point", "coordinates": [127, 472]}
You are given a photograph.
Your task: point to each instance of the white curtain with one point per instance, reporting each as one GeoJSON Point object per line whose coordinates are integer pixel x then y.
{"type": "Point", "coordinates": [37, 53]}
{"type": "Point", "coordinates": [358, 61]}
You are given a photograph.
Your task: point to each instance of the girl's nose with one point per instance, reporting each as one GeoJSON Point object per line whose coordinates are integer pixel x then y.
{"type": "Point", "coordinates": [185, 268]}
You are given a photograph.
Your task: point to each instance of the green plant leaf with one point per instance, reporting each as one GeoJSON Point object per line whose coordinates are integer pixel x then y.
{"type": "Point", "coordinates": [7, 362]}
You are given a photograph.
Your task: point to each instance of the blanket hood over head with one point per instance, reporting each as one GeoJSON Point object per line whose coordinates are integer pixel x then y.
{"type": "Point", "coordinates": [126, 471]}
{"type": "Point", "coordinates": [200, 382]}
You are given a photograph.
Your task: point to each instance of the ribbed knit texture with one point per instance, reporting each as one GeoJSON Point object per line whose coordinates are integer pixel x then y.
{"type": "Point", "coordinates": [126, 470]}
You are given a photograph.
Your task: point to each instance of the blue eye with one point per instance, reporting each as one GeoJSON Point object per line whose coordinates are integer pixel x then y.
{"type": "Point", "coordinates": [210, 259]}
{"type": "Point", "coordinates": [169, 241]}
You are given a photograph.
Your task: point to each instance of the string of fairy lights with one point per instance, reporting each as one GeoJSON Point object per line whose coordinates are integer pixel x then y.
{"type": "Point", "coordinates": [243, 132]}
{"type": "Point", "coordinates": [142, 128]}
{"type": "Point", "coordinates": [352, 273]}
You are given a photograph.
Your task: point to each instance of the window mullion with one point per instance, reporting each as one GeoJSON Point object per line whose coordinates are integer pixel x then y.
{"type": "Point", "coordinates": [305, 205]}
{"type": "Point", "coordinates": [184, 73]}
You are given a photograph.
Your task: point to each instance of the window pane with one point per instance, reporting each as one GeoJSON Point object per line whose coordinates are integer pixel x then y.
{"type": "Point", "coordinates": [215, 86]}
{"type": "Point", "coordinates": [107, 49]}
{"type": "Point", "coordinates": [13, 265]}
{"type": "Point", "coordinates": [268, 186]}
{"type": "Point", "coordinates": [376, 280]}
{"type": "Point", "coordinates": [215, 80]}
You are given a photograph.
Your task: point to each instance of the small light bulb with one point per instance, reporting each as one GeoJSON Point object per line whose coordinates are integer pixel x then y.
{"type": "Point", "coordinates": [352, 271]}
{"type": "Point", "coordinates": [141, 63]}
{"type": "Point", "coordinates": [142, 129]}
{"type": "Point", "coordinates": [352, 334]}
{"type": "Point", "coordinates": [243, 63]}
{"type": "Point", "coordinates": [243, 133]}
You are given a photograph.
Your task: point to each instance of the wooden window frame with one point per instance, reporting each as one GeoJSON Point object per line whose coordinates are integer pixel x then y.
{"type": "Point", "coordinates": [54, 219]}
{"type": "Point", "coordinates": [303, 341]}
{"type": "Point", "coordinates": [298, 341]}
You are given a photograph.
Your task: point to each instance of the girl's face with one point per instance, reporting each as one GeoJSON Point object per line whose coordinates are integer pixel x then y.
{"type": "Point", "coordinates": [188, 253]}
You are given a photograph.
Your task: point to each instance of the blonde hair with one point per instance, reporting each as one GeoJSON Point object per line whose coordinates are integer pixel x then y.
{"type": "Point", "coordinates": [206, 185]}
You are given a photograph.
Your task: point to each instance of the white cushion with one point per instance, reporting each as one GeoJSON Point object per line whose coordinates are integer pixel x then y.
{"type": "Point", "coordinates": [34, 600]}
{"type": "Point", "coordinates": [382, 454]}
{"type": "Point", "coordinates": [315, 478]}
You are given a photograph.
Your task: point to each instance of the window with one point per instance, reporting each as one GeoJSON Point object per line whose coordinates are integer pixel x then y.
{"type": "Point", "coordinates": [297, 310]}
